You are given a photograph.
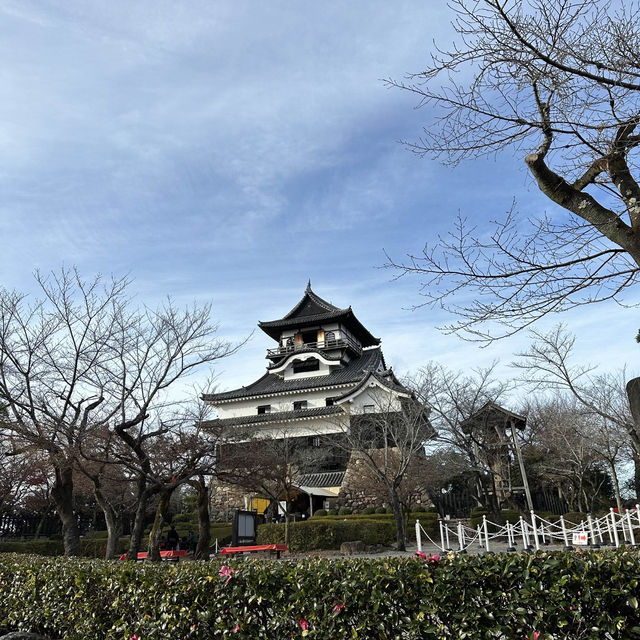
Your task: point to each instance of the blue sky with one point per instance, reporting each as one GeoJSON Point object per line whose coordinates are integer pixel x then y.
{"type": "Point", "coordinates": [228, 151]}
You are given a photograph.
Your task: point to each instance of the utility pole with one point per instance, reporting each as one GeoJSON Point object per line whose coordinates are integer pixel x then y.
{"type": "Point", "coordinates": [523, 473]}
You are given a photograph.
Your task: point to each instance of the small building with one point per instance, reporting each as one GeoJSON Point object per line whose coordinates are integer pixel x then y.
{"type": "Point", "coordinates": [325, 369]}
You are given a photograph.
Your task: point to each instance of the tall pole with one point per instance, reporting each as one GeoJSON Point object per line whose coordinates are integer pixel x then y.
{"type": "Point", "coordinates": [523, 473]}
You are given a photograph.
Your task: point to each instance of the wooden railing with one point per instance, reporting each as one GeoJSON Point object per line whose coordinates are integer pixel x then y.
{"type": "Point", "coordinates": [336, 343]}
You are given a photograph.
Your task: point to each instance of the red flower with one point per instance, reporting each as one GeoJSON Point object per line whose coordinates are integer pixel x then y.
{"type": "Point", "coordinates": [304, 625]}
{"type": "Point", "coordinates": [235, 629]}
{"type": "Point", "coordinates": [339, 607]}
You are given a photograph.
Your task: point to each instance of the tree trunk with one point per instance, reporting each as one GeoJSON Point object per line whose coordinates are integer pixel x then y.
{"type": "Point", "coordinates": [62, 494]}
{"type": "Point", "coordinates": [399, 519]}
{"type": "Point", "coordinates": [156, 529]}
{"type": "Point", "coordinates": [144, 493]}
{"type": "Point", "coordinates": [113, 520]}
{"type": "Point", "coordinates": [43, 517]}
{"type": "Point", "coordinates": [633, 393]}
{"type": "Point", "coordinates": [204, 531]}
{"type": "Point", "coordinates": [287, 529]}
{"type": "Point", "coordinates": [616, 486]}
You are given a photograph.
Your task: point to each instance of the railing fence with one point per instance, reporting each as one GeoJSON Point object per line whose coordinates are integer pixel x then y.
{"type": "Point", "coordinates": [612, 529]}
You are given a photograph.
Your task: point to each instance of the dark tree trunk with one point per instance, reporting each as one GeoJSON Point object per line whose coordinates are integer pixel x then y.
{"type": "Point", "coordinates": [159, 520]}
{"type": "Point", "coordinates": [398, 516]}
{"type": "Point", "coordinates": [633, 393]}
{"type": "Point", "coordinates": [144, 493]}
{"type": "Point", "coordinates": [204, 531]}
{"type": "Point", "coordinates": [62, 494]}
{"type": "Point", "coordinates": [43, 517]}
{"type": "Point", "coordinates": [113, 520]}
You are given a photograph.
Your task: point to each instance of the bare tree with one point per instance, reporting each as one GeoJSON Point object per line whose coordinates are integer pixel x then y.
{"type": "Point", "coordinates": [454, 399]}
{"type": "Point", "coordinates": [570, 454]}
{"type": "Point", "coordinates": [389, 439]}
{"type": "Point", "coordinates": [548, 365]}
{"type": "Point", "coordinates": [80, 359]}
{"type": "Point", "coordinates": [560, 82]}
{"type": "Point", "coordinates": [270, 463]}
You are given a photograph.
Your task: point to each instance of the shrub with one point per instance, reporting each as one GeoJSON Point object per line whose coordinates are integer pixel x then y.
{"type": "Point", "coordinates": [476, 517]}
{"type": "Point", "coordinates": [368, 510]}
{"type": "Point", "coordinates": [332, 512]}
{"type": "Point", "coordinates": [313, 534]}
{"type": "Point", "coordinates": [588, 595]}
{"type": "Point", "coordinates": [512, 515]}
{"type": "Point", "coordinates": [320, 513]}
{"type": "Point", "coordinates": [344, 511]}
{"type": "Point", "coordinates": [419, 509]}
{"type": "Point", "coordinates": [381, 510]}
{"type": "Point", "coordinates": [575, 517]}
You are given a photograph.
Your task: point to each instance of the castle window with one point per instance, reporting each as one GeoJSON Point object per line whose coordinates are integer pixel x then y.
{"type": "Point", "coordinates": [369, 408]}
{"type": "Point", "coordinates": [329, 402]}
{"type": "Point", "coordinates": [314, 441]}
{"type": "Point", "coordinates": [329, 337]}
{"type": "Point", "coordinates": [299, 404]}
{"type": "Point", "coordinates": [265, 408]}
{"type": "Point", "coordinates": [306, 365]}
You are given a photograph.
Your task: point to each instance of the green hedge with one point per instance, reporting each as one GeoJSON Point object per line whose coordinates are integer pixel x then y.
{"type": "Point", "coordinates": [328, 533]}
{"type": "Point", "coordinates": [590, 595]}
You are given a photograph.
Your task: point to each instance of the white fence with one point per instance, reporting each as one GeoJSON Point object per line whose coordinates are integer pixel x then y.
{"type": "Point", "coordinates": [612, 529]}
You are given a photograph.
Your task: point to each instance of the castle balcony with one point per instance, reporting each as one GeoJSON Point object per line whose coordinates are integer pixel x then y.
{"type": "Point", "coordinates": [336, 343]}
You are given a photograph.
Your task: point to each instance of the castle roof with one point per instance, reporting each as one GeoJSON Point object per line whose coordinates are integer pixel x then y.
{"type": "Point", "coordinates": [312, 310]}
{"type": "Point", "coordinates": [276, 416]}
{"type": "Point", "coordinates": [272, 384]}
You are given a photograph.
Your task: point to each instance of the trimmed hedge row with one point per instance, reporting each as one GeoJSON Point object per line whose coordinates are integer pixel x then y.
{"type": "Point", "coordinates": [328, 533]}
{"type": "Point", "coordinates": [94, 545]}
{"type": "Point", "coordinates": [548, 596]}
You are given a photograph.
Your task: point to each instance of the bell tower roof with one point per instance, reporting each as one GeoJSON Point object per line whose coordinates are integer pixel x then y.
{"type": "Point", "coordinates": [312, 310]}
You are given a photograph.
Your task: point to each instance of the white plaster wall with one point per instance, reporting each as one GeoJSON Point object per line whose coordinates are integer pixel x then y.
{"type": "Point", "coordinates": [382, 399]}
{"type": "Point", "coordinates": [278, 403]}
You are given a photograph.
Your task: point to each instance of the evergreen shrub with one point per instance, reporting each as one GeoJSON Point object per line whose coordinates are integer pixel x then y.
{"type": "Point", "coordinates": [320, 513]}
{"type": "Point", "coordinates": [327, 533]}
{"type": "Point", "coordinates": [590, 595]}
{"type": "Point", "coordinates": [381, 510]}
{"type": "Point", "coordinates": [332, 512]}
{"type": "Point", "coordinates": [344, 511]}
{"type": "Point", "coordinates": [368, 510]}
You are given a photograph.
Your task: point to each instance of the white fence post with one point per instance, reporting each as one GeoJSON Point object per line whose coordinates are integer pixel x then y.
{"type": "Point", "coordinates": [567, 546]}
{"type": "Point", "coordinates": [631, 535]}
{"type": "Point", "coordinates": [460, 538]}
{"type": "Point", "coordinates": [599, 531]}
{"type": "Point", "coordinates": [614, 527]}
{"type": "Point", "coordinates": [418, 536]}
{"type": "Point", "coordinates": [511, 539]}
{"type": "Point", "coordinates": [486, 532]}
{"type": "Point", "coordinates": [442, 535]}
{"type": "Point", "coordinates": [446, 533]}
{"type": "Point", "coordinates": [592, 534]}
{"type": "Point", "coordinates": [535, 530]}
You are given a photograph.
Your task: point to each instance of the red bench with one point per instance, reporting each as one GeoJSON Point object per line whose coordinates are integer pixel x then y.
{"type": "Point", "coordinates": [173, 556]}
{"type": "Point", "coordinates": [271, 548]}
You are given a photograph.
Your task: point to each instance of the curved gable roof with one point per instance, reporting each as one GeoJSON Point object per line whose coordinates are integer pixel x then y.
{"type": "Point", "coordinates": [311, 310]}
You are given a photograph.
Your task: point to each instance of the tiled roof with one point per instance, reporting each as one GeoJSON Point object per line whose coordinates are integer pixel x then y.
{"type": "Point", "coordinates": [312, 310]}
{"type": "Point", "coordinates": [327, 479]}
{"type": "Point", "coordinates": [385, 378]}
{"type": "Point", "coordinates": [491, 414]}
{"type": "Point", "coordinates": [274, 416]}
{"type": "Point", "coordinates": [271, 384]}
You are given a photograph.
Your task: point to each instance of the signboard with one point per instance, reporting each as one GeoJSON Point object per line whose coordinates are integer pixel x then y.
{"type": "Point", "coordinates": [243, 528]}
{"type": "Point", "coordinates": [581, 539]}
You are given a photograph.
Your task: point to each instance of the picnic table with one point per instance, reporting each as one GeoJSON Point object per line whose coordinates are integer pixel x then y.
{"type": "Point", "coordinates": [271, 548]}
{"type": "Point", "coordinates": [172, 556]}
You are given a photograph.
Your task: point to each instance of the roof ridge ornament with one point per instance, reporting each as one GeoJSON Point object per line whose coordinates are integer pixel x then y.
{"type": "Point", "coordinates": [308, 289]}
